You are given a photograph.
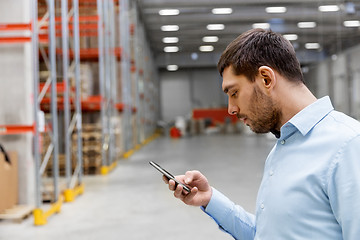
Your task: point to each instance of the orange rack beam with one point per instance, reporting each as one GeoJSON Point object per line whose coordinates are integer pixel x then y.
{"type": "Point", "coordinates": [215, 114]}
{"type": "Point", "coordinates": [14, 26]}
{"type": "Point", "coordinates": [91, 103]}
{"type": "Point", "coordinates": [15, 39]}
{"type": "Point", "coordinates": [16, 129]}
{"type": "Point", "coordinates": [90, 53]}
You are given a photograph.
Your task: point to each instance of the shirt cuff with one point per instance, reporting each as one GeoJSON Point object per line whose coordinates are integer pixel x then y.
{"type": "Point", "coordinates": [219, 206]}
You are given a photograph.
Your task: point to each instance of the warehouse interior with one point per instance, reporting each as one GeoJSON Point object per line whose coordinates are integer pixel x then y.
{"type": "Point", "coordinates": [92, 90]}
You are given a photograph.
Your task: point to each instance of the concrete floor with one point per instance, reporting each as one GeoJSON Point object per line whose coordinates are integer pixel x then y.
{"type": "Point", "coordinates": [132, 203]}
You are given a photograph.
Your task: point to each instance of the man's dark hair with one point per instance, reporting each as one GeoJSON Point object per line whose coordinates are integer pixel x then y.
{"type": "Point", "coordinates": [259, 47]}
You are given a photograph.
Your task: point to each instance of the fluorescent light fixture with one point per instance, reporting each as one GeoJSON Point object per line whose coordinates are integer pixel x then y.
{"type": "Point", "coordinates": [312, 45]}
{"type": "Point", "coordinates": [275, 9]}
{"type": "Point", "coordinates": [169, 28]}
{"type": "Point", "coordinates": [214, 27]}
{"type": "Point", "coordinates": [306, 24]}
{"type": "Point", "coordinates": [206, 48]}
{"type": "Point", "coordinates": [170, 39]}
{"type": "Point", "coordinates": [210, 39]}
{"type": "Point", "coordinates": [170, 49]}
{"type": "Point", "coordinates": [291, 37]}
{"type": "Point", "coordinates": [172, 67]}
{"type": "Point", "coordinates": [352, 23]}
{"type": "Point", "coordinates": [169, 12]}
{"type": "Point", "coordinates": [329, 8]}
{"type": "Point", "coordinates": [261, 25]}
{"type": "Point", "coordinates": [222, 10]}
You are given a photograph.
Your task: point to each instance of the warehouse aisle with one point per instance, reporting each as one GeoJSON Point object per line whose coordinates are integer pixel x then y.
{"type": "Point", "coordinates": [132, 203]}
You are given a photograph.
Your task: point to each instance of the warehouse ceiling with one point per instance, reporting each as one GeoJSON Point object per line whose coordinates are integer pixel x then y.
{"type": "Point", "coordinates": [331, 26]}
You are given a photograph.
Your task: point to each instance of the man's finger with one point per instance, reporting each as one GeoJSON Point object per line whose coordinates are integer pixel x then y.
{"type": "Point", "coordinates": [172, 185]}
{"type": "Point", "coordinates": [165, 179]}
{"type": "Point", "coordinates": [178, 192]}
{"type": "Point", "coordinates": [189, 197]}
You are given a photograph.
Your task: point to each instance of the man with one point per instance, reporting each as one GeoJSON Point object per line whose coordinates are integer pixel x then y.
{"type": "Point", "coordinates": [311, 183]}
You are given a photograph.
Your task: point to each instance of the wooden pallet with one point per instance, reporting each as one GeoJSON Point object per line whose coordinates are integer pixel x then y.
{"type": "Point", "coordinates": [88, 136]}
{"type": "Point", "coordinates": [17, 213]}
{"type": "Point", "coordinates": [88, 127]}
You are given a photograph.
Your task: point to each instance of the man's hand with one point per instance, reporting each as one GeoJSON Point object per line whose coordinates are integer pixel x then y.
{"type": "Point", "coordinates": [201, 191]}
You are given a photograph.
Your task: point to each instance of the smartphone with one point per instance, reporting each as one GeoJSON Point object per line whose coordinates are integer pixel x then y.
{"type": "Point", "coordinates": [169, 176]}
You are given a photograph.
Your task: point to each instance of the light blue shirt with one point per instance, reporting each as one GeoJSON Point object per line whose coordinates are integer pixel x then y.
{"type": "Point", "coordinates": [311, 183]}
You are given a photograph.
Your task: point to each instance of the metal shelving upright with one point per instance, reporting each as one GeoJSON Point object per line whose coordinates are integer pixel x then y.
{"type": "Point", "coordinates": [107, 80]}
{"type": "Point", "coordinates": [145, 81]}
{"type": "Point", "coordinates": [125, 77]}
{"type": "Point", "coordinates": [103, 107]}
{"type": "Point", "coordinates": [137, 74]}
{"type": "Point", "coordinates": [74, 185]}
{"type": "Point", "coordinates": [40, 216]}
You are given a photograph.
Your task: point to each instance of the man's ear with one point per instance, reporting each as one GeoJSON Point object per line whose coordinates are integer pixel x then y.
{"type": "Point", "coordinates": [267, 76]}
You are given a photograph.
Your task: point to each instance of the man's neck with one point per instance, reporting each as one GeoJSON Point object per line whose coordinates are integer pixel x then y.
{"type": "Point", "coordinates": [292, 100]}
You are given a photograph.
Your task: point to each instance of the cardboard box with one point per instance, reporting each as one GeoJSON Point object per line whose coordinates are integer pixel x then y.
{"type": "Point", "coordinates": [8, 180]}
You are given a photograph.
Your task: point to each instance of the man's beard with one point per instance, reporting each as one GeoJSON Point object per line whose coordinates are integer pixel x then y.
{"type": "Point", "coordinates": [264, 115]}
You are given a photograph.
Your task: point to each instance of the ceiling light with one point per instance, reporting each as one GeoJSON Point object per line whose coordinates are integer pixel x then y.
{"type": "Point", "coordinates": [194, 56]}
{"type": "Point", "coordinates": [206, 48]}
{"type": "Point", "coordinates": [222, 10]}
{"type": "Point", "coordinates": [169, 12]}
{"type": "Point", "coordinates": [171, 49]}
{"type": "Point", "coordinates": [170, 39]}
{"type": "Point", "coordinates": [291, 37]}
{"type": "Point", "coordinates": [261, 25]}
{"type": "Point", "coordinates": [329, 8]}
{"type": "Point", "coordinates": [169, 28]}
{"type": "Point", "coordinates": [352, 23]}
{"type": "Point", "coordinates": [214, 27]}
{"type": "Point", "coordinates": [275, 9]}
{"type": "Point", "coordinates": [312, 45]}
{"type": "Point", "coordinates": [306, 24]}
{"type": "Point", "coordinates": [210, 39]}
{"type": "Point", "coordinates": [172, 67]}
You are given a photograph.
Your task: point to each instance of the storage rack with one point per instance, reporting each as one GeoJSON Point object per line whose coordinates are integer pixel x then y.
{"type": "Point", "coordinates": [73, 181]}
{"type": "Point", "coordinates": [145, 85]}
{"type": "Point", "coordinates": [119, 97]}
{"type": "Point", "coordinates": [125, 77]}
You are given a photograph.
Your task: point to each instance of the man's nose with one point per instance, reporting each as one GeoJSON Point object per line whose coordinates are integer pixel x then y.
{"type": "Point", "coordinates": [233, 109]}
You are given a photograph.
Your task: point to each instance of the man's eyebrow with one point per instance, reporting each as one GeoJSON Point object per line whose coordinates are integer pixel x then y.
{"type": "Point", "coordinates": [226, 89]}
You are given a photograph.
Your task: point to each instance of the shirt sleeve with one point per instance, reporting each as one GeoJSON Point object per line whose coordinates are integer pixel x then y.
{"type": "Point", "coordinates": [344, 189]}
{"type": "Point", "coordinates": [231, 218]}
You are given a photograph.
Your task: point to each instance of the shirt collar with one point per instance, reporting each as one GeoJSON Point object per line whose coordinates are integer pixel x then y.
{"type": "Point", "coordinates": [307, 118]}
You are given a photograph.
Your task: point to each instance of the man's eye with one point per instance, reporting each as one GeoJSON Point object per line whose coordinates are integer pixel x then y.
{"type": "Point", "coordinates": [234, 94]}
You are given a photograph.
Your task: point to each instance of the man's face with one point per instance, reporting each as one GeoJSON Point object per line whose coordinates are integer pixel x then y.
{"type": "Point", "coordinates": [250, 104]}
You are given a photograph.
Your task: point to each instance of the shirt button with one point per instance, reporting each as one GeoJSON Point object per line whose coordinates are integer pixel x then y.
{"type": "Point", "coordinates": [271, 173]}
{"type": "Point", "coordinates": [282, 142]}
{"type": "Point", "coordinates": [262, 206]}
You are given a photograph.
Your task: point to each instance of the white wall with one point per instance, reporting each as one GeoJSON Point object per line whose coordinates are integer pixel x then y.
{"type": "Point", "coordinates": [183, 90]}
{"type": "Point", "coordinates": [339, 77]}
{"type": "Point", "coordinates": [175, 95]}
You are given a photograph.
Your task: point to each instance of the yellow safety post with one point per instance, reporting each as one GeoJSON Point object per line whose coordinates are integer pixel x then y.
{"type": "Point", "coordinates": [104, 170]}
{"type": "Point", "coordinates": [40, 217]}
{"type": "Point", "coordinates": [128, 153]}
{"type": "Point", "coordinates": [71, 194]}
